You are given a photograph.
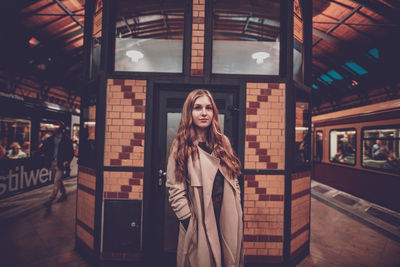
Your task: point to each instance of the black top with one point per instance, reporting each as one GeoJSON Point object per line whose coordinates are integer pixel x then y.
{"type": "Point", "coordinates": [217, 191]}
{"type": "Point", "coordinates": [218, 187]}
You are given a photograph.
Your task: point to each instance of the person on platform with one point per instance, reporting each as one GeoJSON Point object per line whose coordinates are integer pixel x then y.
{"type": "Point", "coordinates": [204, 193]}
{"type": "Point", "coordinates": [15, 151]}
{"type": "Point", "coordinates": [58, 153]}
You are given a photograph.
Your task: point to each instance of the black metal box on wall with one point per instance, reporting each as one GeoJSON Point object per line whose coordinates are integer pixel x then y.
{"type": "Point", "coordinates": [122, 224]}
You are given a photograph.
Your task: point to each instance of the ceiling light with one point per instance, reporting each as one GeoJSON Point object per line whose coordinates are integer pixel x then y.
{"type": "Point", "coordinates": [354, 83]}
{"type": "Point", "coordinates": [260, 56]}
{"type": "Point", "coordinates": [33, 42]}
{"type": "Point", "coordinates": [134, 55]}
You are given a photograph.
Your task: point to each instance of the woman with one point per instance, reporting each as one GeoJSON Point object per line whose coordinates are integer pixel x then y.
{"type": "Point", "coordinates": [203, 188]}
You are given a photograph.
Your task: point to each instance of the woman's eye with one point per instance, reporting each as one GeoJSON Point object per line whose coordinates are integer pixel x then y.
{"type": "Point", "coordinates": [197, 107]}
{"type": "Point", "coordinates": [209, 108]}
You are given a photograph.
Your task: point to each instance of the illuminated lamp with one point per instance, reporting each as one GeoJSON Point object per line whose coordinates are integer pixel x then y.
{"type": "Point", "coordinates": [33, 42]}
{"type": "Point", "coordinates": [134, 55]}
{"type": "Point", "coordinates": [260, 56]}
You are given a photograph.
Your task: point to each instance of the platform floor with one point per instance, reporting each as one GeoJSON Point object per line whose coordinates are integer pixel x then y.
{"type": "Point", "coordinates": [32, 235]}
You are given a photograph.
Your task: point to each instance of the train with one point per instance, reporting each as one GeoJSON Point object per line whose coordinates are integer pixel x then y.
{"type": "Point", "coordinates": [357, 150]}
{"type": "Point", "coordinates": [24, 124]}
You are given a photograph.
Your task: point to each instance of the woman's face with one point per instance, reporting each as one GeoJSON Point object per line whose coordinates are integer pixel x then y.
{"type": "Point", "coordinates": [202, 113]}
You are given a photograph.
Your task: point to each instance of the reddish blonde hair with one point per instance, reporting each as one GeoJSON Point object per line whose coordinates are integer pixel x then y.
{"type": "Point", "coordinates": [183, 144]}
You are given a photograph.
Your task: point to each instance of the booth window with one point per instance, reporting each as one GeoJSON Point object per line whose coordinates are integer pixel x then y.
{"type": "Point", "coordinates": [87, 141]}
{"type": "Point", "coordinates": [149, 36]}
{"type": "Point", "coordinates": [342, 146]}
{"type": "Point", "coordinates": [298, 42]}
{"type": "Point", "coordinates": [318, 146]}
{"type": "Point", "coordinates": [96, 39]}
{"type": "Point", "coordinates": [381, 148]}
{"type": "Point", "coordinates": [246, 37]}
{"type": "Point", "coordinates": [303, 148]}
{"type": "Point", "coordinates": [15, 138]}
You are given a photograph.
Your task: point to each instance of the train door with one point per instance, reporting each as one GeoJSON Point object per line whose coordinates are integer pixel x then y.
{"type": "Point", "coordinates": [169, 114]}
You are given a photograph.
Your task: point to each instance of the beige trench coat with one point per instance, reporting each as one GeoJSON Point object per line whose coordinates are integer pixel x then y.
{"type": "Point", "coordinates": [200, 244]}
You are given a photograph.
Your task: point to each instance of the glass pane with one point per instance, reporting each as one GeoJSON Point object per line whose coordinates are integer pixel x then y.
{"type": "Point", "coordinates": [343, 146]}
{"type": "Point", "coordinates": [246, 37]}
{"type": "Point", "coordinates": [149, 36]}
{"type": "Point", "coordinates": [171, 226]}
{"type": "Point", "coordinates": [298, 42]}
{"type": "Point", "coordinates": [381, 149]}
{"type": "Point", "coordinates": [47, 129]}
{"type": "Point", "coordinates": [15, 138]}
{"type": "Point", "coordinates": [298, 62]}
{"type": "Point", "coordinates": [88, 142]}
{"type": "Point", "coordinates": [96, 37]}
{"type": "Point", "coordinates": [303, 149]}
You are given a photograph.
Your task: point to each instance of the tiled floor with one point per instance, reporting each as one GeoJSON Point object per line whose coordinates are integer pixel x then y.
{"type": "Point", "coordinates": [36, 236]}
{"type": "Point", "coordinates": [338, 240]}
{"type": "Point", "coordinates": [32, 235]}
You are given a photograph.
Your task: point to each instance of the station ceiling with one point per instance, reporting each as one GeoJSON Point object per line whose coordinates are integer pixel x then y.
{"type": "Point", "coordinates": [355, 45]}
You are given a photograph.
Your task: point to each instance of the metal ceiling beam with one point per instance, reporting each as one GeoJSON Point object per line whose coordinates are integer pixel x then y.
{"type": "Point", "coordinates": [69, 13]}
{"type": "Point", "coordinates": [247, 23]}
{"type": "Point", "coordinates": [322, 35]}
{"type": "Point", "coordinates": [127, 25]}
{"type": "Point", "coordinates": [55, 15]}
{"type": "Point", "coordinates": [340, 22]}
{"type": "Point", "coordinates": [33, 12]}
{"type": "Point", "coordinates": [385, 11]}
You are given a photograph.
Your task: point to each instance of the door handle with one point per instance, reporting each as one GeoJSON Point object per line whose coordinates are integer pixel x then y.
{"type": "Point", "coordinates": [161, 177]}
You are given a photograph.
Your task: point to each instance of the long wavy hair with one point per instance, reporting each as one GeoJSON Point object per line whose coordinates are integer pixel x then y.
{"type": "Point", "coordinates": [184, 142]}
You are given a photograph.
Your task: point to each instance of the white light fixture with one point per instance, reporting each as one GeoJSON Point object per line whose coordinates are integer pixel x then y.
{"type": "Point", "coordinates": [134, 55]}
{"type": "Point", "coordinates": [260, 56]}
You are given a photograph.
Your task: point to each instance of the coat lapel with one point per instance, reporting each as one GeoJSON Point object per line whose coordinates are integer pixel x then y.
{"type": "Point", "coordinates": [209, 167]}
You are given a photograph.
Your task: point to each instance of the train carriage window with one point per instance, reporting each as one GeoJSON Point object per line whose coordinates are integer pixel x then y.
{"type": "Point", "coordinates": [75, 139]}
{"type": "Point", "coordinates": [47, 129]}
{"type": "Point", "coordinates": [318, 146]}
{"type": "Point", "coordinates": [381, 148]}
{"type": "Point", "coordinates": [15, 138]}
{"type": "Point", "coordinates": [342, 146]}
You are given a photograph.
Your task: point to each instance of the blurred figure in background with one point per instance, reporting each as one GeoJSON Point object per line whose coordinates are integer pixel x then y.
{"type": "Point", "coordinates": [58, 153]}
{"type": "Point", "coordinates": [15, 151]}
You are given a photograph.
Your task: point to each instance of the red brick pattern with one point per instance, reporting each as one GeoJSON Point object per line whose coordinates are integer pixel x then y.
{"type": "Point", "coordinates": [265, 126]}
{"type": "Point", "coordinates": [263, 215]}
{"type": "Point", "coordinates": [123, 185]}
{"type": "Point", "coordinates": [85, 204]}
{"type": "Point", "coordinates": [197, 60]}
{"type": "Point", "coordinates": [125, 121]}
{"type": "Point", "coordinates": [300, 210]}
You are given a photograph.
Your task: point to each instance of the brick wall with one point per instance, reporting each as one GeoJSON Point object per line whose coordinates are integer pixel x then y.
{"type": "Point", "coordinates": [85, 205]}
{"type": "Point", "coordinates": [123, 185]}
{"type": "Point", "coordinates": [197, 59]}
{"type": "Point", "coordinates": [263, 215]}
{"type": "Point", "coordinates": [265, 126]}
{"type": "Point", "coordinates": [300, 210]}
{"type": "Point", "coordinates": [124, 142]}
{"type": "Point", "coordinates": [125, 117]}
